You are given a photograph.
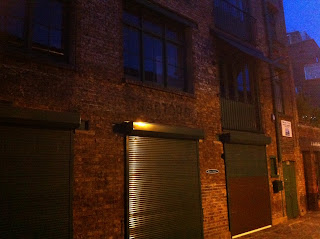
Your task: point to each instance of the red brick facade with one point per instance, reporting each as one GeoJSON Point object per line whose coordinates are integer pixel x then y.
{"type": "Point", "coordinates": [95, 86]}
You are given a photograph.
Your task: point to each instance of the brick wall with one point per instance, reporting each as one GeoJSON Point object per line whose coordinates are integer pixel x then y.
{"type": "Point", "coordinates": [95, 87]}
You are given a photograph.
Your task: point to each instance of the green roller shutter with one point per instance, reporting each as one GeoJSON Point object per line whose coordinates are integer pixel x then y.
{"type": "Point", "coordinates": [35, 179]}
{"type": "Point", "coordinates": [248, 188]}
{"type": "Point", "coordinates": [163, 188]}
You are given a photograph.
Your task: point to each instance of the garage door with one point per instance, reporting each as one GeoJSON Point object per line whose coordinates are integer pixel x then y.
{"type": "Point", "coordinates": [163, 188]}
{"type": "Point", "coordinates": [248, 189]}
{"type": "Point", "coordinates": [35, 166]}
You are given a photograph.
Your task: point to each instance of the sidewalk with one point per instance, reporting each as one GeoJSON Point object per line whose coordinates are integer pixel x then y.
{"type": "Point", "coordinates": [306, 227]}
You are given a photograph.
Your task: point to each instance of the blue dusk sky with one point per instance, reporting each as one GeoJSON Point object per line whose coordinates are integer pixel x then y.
{"type": "Point", "coordinates": [303, 15]}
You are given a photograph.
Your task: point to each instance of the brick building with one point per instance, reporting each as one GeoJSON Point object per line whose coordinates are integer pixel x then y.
{"type": "Point", "coordinates": [146, 119]}
{"type": "Point", "coordinates": [304, 55]}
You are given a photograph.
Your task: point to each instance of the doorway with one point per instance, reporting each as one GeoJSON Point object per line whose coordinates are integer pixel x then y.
{"type": "Point", "coordinates": [290, 186]}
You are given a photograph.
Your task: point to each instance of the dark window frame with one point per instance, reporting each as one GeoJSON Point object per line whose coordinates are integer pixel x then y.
{"type": "Point", "coordinates": [229, 66]}
{"type": "Point", "coordinates": [181, 42]}
{"type": "Point", "coordinates": [28, 45]}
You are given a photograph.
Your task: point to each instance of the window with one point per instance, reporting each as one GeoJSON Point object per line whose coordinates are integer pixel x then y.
{"type": "Point", "coordinates": [236, 78]}
{"type": "Point", "coordinates": [312, 71]}
{"type": "Point", "coordinates": [154, 49]}
{"type": "Point", "coordinates": [278, 94]}
{"type": "Point", "coordinates": [37, 25]}
{"type": "Point", "coordinates": [240, 4]}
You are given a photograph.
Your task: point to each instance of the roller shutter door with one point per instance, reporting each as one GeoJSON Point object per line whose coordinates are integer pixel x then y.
{"type": "Point", "coordinates": [163, 188]}
{"type": "Point", "coordinates": [35, 166]}
{"type": "Point", "coordinates": [248, 188]}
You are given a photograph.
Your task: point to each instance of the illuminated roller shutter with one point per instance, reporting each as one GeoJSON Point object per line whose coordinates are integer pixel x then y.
{"type": "Point", "coordinates": [163, 188]}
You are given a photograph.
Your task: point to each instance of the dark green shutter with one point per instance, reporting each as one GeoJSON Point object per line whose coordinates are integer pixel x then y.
{"type": "Point", "coordinates": [163, 188]}
{"type": "Point", "coordinates": [248, 188]}
{"type": "Point", "coordinates": [35, 177]}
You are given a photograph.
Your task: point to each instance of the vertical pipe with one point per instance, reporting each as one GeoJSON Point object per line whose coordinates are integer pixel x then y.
{"type": "Point", "coordinates": [272, 73]}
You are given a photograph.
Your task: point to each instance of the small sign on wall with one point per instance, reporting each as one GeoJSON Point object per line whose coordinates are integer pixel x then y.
{"type": "Point", "coordinates": [286, 128]}
{"type": "Point", "coordinates": [212, 171]}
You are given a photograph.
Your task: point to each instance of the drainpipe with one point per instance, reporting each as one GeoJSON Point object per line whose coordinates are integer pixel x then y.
{"type": "Point", "coordinates": [272, 73]}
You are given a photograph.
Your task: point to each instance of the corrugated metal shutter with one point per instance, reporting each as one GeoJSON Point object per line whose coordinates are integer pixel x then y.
{"type": "Point", "coordinates": [164, 188]}
{"type": "Point", "coordinates": [248, 188]}
{"type": "Point", "coordinates": [35, 179]}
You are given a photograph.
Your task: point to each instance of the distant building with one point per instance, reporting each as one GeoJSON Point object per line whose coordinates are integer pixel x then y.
{"type": "Point", "coordinates": [305, 54]}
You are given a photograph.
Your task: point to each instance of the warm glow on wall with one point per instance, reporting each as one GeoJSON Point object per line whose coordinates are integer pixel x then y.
{"type": "Point", "coordinates": [140, 124]}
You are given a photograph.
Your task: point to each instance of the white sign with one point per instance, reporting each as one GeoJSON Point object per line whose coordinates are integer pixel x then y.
{"type": "Point", "coordinates": [286, 128]}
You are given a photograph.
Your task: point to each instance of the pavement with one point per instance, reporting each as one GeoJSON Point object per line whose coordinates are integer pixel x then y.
{"type": "Point", "coordinates": [305, 227]}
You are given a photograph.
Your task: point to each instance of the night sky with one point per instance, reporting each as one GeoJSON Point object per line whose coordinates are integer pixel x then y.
{"type": "Point", "coordinates": [303, 15]}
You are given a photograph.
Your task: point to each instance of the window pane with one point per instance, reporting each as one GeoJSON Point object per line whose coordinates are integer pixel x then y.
{"type": "Point", "coordinates": [131, 41]}
{"type": "Point", "coordinates": [159, 73]}
{"type": "Point", "coordinates": [153, 71]}
{"type": "Point", "coordinates": [12, 15]}
{"type": "Point", "coordinates": [147, 47]}
{"type": "Point", "coordinates": [40, 34]}
{"type": "Point", "coordinates": [131, 19]}
{"type": "Point", "coordinates": [248, 85]}
{"type": "Point", "coordinates": [56, 9]}
{"type": "Point", "coordinates": [175, 77]}
{"type": "Point", "coordinates": [174, 34]}
{"type": "Point", "coordinates": [238, 3]}
{"type": "Point", "coordinates": [152, 48]}
{"type": "Point", "coordinates": [131, 65]}
{"type": "Point", "coordinates": [131, 46]}
{"type": "Point", "coordinates": [42, 13]}
{"type": "Point", "coordinates": [47, 23]}
{"type": "Point", "coordinates": [174, 55]}
{"type": "Point", "coordinates": [175, 66]}
{"type": "Point", "coordinates": [240, 81]}
{"type": "Point", "coordinates": [56, 39]}
{"type": "Point", "coordinates": [240, 86]}
{"type": "Point", "coordinates": [153, 60]}
{"type": "Point", "coordinates": [149, 71]}
{"type": "Point", "coordinates": [152, 27]}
